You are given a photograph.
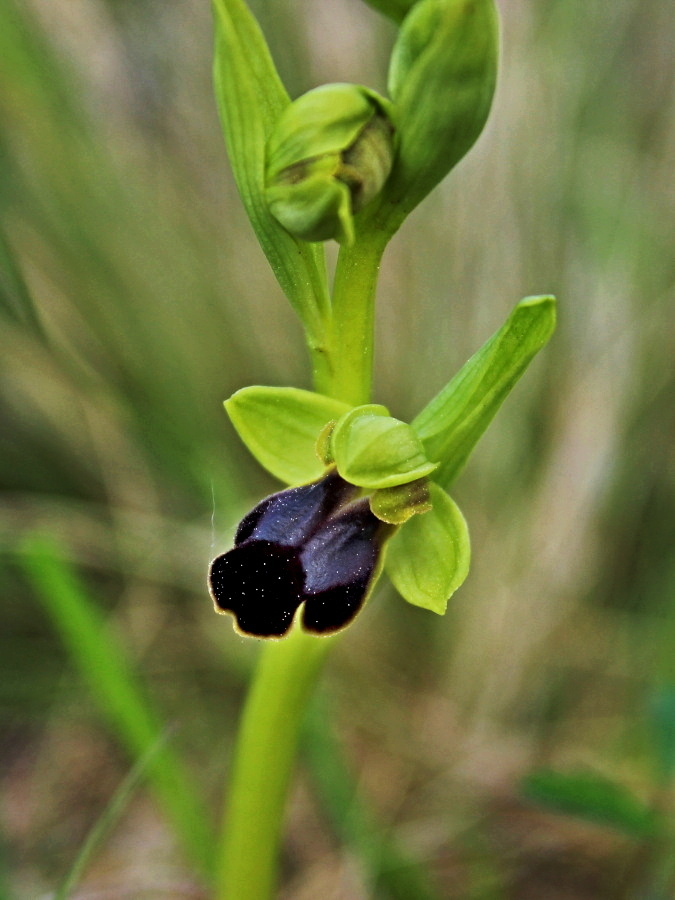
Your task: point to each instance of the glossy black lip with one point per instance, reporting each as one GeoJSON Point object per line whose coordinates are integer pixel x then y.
{"type": "Point", "coordinates": [313, 545]}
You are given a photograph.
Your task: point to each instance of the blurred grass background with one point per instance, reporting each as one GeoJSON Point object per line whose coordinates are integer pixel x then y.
{"type": "Point", "coordinates": [134, 299]}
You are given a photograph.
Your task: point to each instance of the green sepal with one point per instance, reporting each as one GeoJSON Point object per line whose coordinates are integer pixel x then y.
{"type": "Point", "coordinates": [442, 78]}
{"type": "Point", "coordinates": [395, 505]}
{"type": "Point", "coordinates": [281, 425]}
{"type": "Point", "coordinates": [452, 423]}
{"type": "Point", "coordinates": [428, 557]}
{"type": "Point", "coordinates": [251, 98]}
{"type": "Point", "coordinates": [373, 450]}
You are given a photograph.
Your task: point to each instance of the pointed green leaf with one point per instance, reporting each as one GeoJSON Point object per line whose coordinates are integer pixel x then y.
{"type": "Point", "coordinates": [281, 426]}
{"type": "Point", "coordinates": [395, 505]}
{"type": "Point", "coordinates": [428, 557]}
{"type": "Point", "coordinates": [451, 424]}
{"type": "Point", "coordinates": [251, 99]}
{"type": "Point", "coordinates": [592, 797]}
{"type": "Point", "coordinates": [373, 450]}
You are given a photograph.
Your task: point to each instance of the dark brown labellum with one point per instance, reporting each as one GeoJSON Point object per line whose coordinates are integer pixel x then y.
{"type": "Point", "coordinates": [313, 545]}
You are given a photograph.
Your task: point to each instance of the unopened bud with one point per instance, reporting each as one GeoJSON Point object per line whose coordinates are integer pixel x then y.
{"type": "Point", "coordinates": [329, 155]}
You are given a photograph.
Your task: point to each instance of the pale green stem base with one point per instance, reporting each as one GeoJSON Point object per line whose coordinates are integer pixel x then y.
{"type": "Point", "coordinates": [349, 373]}
{"type": "Point", "coordinates": [263, 764]}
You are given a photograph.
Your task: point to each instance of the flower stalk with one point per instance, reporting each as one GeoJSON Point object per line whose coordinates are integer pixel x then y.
{"type": "Point", "coordinates": [351, 334]}
{"type": "Point", "coordinates": [343, 163]}
{"type": "Point", "coordinates": [263, 762]}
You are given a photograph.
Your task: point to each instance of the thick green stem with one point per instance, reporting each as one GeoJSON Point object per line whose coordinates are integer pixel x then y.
{"type": "Point", "coordinates": [350, 349]}
{"type": "Point", "coordinates": [321, 368]}
{"type": "Point", "coordinates": [288, 669]}
{"type": "Point", "coordinates": [263, 764]}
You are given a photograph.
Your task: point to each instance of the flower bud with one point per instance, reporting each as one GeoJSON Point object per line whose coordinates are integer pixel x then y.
{"type": "Point", "coordinates": [330, 153]}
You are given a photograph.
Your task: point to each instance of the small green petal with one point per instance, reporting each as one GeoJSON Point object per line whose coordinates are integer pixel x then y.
{"type": "Point", "coordinates": [428, 557]}
{"type": "Point", "coordinates": [373, 450]}
{"type": "Point", "coordinates": [281, 425]}
{"type": "Point", "coordinates": [324, 449]}
{"type": "Point", "coordinates": [395, 505]}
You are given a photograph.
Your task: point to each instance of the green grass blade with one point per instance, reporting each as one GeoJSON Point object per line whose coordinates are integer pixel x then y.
{"type": "Point", "coordinates": [390, 872]}
{"type": "Point", "coordinates": [594, 798]}
{"type": "Point", "coordinates": [102, 663]}
{"type": "Point", "coordinates": [4, 889]}
{"type": "Point", "coordinates": [109, 818]}
{"type": "Point", "coordinates": [16, 301]}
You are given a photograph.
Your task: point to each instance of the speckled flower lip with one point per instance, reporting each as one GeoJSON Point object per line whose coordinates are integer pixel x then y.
{"type": "Point", "coordinates": [313, 545]}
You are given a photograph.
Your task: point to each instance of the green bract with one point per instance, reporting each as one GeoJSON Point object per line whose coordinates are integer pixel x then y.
{"type": "Point", "coordinates": [442, 79]}
{"type": "Point", "coordinates": [329, 154]}
{"type": "Point", "coordinates": [452, 423]}
{"type": "Point", "coordinates": [373, 450]}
